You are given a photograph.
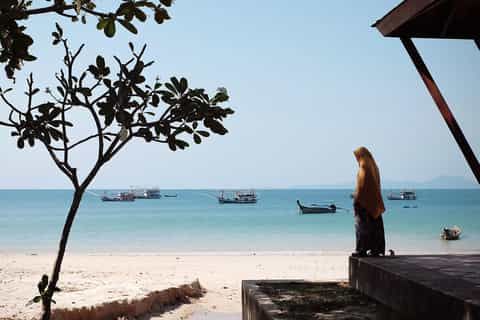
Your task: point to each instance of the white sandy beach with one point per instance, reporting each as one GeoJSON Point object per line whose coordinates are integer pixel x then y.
{"type": "Point", "coordinates": [88, 280]}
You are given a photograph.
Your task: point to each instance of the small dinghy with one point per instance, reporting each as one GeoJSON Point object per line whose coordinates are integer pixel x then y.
{"type": "Point", "coordinates": [451, 233]}
{"type": "Point", "coordinates": [315, 208]}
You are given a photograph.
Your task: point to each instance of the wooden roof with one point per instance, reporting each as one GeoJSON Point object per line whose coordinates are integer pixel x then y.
{"type": "Point", "coordinates": [443, 19]}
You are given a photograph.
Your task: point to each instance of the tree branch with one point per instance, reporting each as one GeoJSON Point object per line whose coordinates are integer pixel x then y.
{"type": "Point", "coordinates": [53, 8]}
{"type": "Point", "coordinates": [11, 105]}
{"type": "Point", "coordinates": [4, 124]}
{"type": "Point", "coordinates": [70, 174]}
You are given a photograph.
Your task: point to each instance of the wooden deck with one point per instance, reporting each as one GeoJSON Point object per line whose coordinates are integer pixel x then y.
{"type": "Point", "coordinates": [421, 287]}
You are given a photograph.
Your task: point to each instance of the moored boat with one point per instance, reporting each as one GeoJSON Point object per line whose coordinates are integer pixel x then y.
{"type": "Point", "coordinates": [238, 197]}
{"type": "Point", "coordinates": [315, 208]}
{"type": "Point", "coordinates": [452, 233]}
{"type": "Point", "coordinates": [402, 195]}
{"type": "Point", "coordinates": [146, 193]}
{"type": "Point", "coordinates": [120, 197]}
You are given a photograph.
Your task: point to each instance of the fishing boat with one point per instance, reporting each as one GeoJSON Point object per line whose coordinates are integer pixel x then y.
{"type": "Point", "coordinates": [402, 195]}
{"type": "Point", "coordinates": [452, 233]}
{"type": "Point", "coordinates": [120, 197]}
{"type": "Point", "coordinates": [238, 197]}
{"type": "Point", "coordinates": [146, 193]}
{"type": "Point", "coordinates": [315, 208]}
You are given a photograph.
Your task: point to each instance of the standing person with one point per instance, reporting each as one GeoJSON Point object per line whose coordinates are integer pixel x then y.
{"type": "Point", "coordinates": [368, 206]}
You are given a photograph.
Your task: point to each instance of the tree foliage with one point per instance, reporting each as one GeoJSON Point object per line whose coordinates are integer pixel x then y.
{"type": "Point", "coordinates": [15, 40]}
{"type": "Point", "coordinates": [122, 105]}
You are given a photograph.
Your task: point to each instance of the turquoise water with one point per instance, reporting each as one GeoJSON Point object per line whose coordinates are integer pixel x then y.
{"type": "Point", "coordinates": [31, 221]}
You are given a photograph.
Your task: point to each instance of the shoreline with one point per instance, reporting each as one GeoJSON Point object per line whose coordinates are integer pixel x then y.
{"type": "Point", "coordinates": [229, 253]}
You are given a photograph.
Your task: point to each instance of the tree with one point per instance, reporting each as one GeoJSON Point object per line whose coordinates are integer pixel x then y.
{"type": "Point", "coordinates": [15, 42]}
{"type": "Point", "coordinates": [122, 106]}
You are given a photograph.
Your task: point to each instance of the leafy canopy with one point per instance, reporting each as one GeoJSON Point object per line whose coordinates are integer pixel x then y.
{"type": "Point", "coordinates": [15, 41]}
{"type": "Point", "coordinates": [123, 106]}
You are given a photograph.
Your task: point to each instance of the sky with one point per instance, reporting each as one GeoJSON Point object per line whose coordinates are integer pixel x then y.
{"type": "Point", "coordinates": [309, 82]}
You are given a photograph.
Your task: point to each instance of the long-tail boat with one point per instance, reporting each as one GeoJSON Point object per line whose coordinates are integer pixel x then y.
{"type": "Point", "coordinates": [315, 208]}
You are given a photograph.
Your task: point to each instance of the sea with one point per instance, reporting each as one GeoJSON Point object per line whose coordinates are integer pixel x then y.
{"type": "Point", "coordinates": [31, 222]}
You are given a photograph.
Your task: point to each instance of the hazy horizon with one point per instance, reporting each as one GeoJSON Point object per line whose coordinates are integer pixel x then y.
{"type": "Point", "coordinates": [449, 182]}
{"type": "Point", "coordinates": [309, 84]}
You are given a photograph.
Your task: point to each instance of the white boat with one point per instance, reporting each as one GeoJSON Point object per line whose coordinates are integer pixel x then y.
{"type": "Point", "coordinates": [402, 195]}
{"type": "Point", "coordinates": [146, 193]}
{"type": "Point", "coordinates": [238, 197]}
{"type": "Point", "coordinates": [120, 197]}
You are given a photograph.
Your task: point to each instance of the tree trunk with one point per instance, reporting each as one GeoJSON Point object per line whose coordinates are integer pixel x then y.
{"type": "Point", "coordinates": [47, 300]}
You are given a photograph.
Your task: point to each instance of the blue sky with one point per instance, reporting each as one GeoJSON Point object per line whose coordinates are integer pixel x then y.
{"type": "Point", "coordinates": [309, 84]}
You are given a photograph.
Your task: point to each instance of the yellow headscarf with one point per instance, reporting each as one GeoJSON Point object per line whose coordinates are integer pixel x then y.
{"type": "Point", "coordinates": [368, 192]}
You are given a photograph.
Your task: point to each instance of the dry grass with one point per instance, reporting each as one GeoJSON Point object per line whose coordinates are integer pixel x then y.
{"type": "Point", "coordinates": [154, 303]}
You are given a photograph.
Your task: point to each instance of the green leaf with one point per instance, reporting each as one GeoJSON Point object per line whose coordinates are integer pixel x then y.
{"type": "Point", "coordinates": [171, 143]}
{"type": "Point", "coordinates": [203, 133]}
{"type": "Point", "coordinates": [215, 126]}
{"type": "Point", "coordinates": [20, 143]}
{"type": "Point", "coordinates": [176, 83]}
{"type": "Point", "coordinates": [85, 91]}
{"type": "Point", "coordinates": [140, 15]}
{"type": "Point", "coordinates": [183, 85]}
{"type": "Point", "coordinates": [170, 87]}
{"type": "Point", "coordinates": [61, 91]}
{"type": "Point", "coordinates": [29, 57]}
{"type": "Point", "coordinates": [102, 23]}
{"type": "Point", "coordinates": [31, 141]}
{"type": "Point", "coordinates": [181, 144]}
{"type": "Point", "coordinates": [37, 299]}
{"type": "Point", "coordinates": [127, 25]}
{"type": "Point", "coordinates": [197, 138]}
{"type": "Point", "coordinates": [110, 28]}
{"type": "Point", "coordinates": [100, 62]}
{"type": "Point", "coordinates": [155, 100]}
{"type": "Point", "coordinates": [166, 3]}
{"type": "Point", "coordinates": [59, 29]}
{"type": "Point", "coordinates": [161, 15]}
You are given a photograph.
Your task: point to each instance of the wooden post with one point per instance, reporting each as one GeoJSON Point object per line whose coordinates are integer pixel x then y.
{"type": "Point", "coordinates": [442, 106]}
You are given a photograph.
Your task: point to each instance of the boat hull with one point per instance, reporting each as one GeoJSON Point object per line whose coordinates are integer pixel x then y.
{"type": "Point", "coordinates": [107, 199]}
{"type": "Point", "coordinates": [401, 198]}
{"type": "Point", "coordinates": [234, 201]}
{"type": "Point", "coordinates": [316, 210]}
